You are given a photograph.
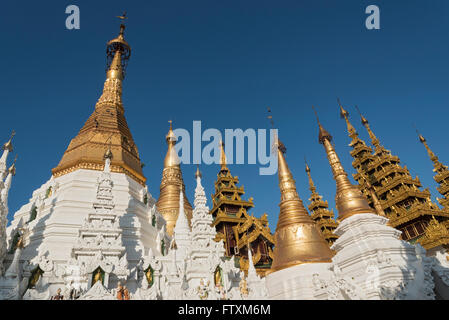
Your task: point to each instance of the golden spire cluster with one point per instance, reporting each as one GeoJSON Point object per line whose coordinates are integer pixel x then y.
{"type": "Point", "coordinates": [389, 187]}
{"type": "Point", "coordinates": [172, 184]}
{"type": "Point", "coordinates": [349, 200]}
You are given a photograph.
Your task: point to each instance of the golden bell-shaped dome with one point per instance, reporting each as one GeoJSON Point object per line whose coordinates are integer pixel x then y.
{"type": "Point", "coordinates": [298, 239]}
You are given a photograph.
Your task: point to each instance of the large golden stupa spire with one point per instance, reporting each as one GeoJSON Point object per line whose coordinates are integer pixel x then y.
{"type": "Point", "coordinates": [349, 200]}
{"type": "Point", "coordinates": [171, 186]}
{"type": "Point", "coordinates": [106, 125]}
{"type": "Point", "coordinates": [441, 174]}
{"type": "Point", "coordinates": [297, 238]}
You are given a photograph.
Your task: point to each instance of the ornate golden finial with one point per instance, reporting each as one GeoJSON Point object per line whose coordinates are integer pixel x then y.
{"type": "Point", "coordinates": [298, 239]}
{"type": "Point", "coordinates": [222, 156]}
{"type": "Point", "coordinates": [345, 114]}
{"type": "Point", "coordinates": [118, 52]}
{"type": "Point", "coordinates": [123, 17]}
{"type": "Point", "coordinates": [323, 134]}
{"type": "Point", "coordinates": [8, 145]}
{"type": "Point", "coordinates": [171, 158]}
{"type": "Point", "coordinates": [198, 172]}
{"type": "Point", "coordinates": [362, 118]}
{"type": "Point", "coordinates": [374, 140]}
{"type": "Point", "coordinates": [348, 199]}
{"type": "Point", "coordinates": [312, 187]}
{"type": "Point", "coordinates": [432, 155]}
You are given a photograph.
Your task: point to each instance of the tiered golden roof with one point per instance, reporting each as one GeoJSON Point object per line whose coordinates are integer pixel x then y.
{"type": "Point", "coordinates": [106, 126]}
{"type": "Point", "coordinates": [359, 147]}
{"type": "Point", "coordinates": [235, 226]}
{"type": "Point", "coordinates": [441, 174]}
{"type": "Point", "coordinates": [436, 234]}
{"type": "Point", "coordinates": [383, 180]}
{"type": "Point", "coordinates": [320, 213]}
{"type": "Point", "coordinates": [349, 200]}
{"type": "Point", "coordinates": [171, 186]}
{"type": "Point", "coordinates": [298, 239]}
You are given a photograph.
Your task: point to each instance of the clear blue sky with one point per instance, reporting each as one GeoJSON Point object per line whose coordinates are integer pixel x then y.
{"type": "Point", "coordinates": [224, 62]}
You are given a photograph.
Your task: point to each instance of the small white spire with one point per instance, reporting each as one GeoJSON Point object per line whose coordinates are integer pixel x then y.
{"type": "Point", "coordinates": [7, 186]}
{"type": "Point", "coordinates": [182, 224]}
{"type": "Point", "coordinates": [200, 195]}
{"type": "Point", "coordinates": [251, 268]}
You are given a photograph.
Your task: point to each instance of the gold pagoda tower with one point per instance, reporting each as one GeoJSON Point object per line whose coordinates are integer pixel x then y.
{"type": "Point", "coordinates": [320, 213]}
{"type": "Point", "coordinates": [298, 238]}
{"type": "Point", "coordinates": [236, 227]}
{"type": "Point", "coordinates": [107, 126]}
{"type": "Point", "coordinates": [171, 186]}
{"type": "Point", "coordinates": [388, 185]}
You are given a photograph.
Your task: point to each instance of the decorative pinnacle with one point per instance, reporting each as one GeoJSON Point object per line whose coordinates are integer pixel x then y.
{"type": "Point", "coordinates": [123, 17]}
{"type": "Point", "coordinates": [307, 165]}
{"type": "Point", "coordinates": [222, 155]}
{"type": "Point", "coordinates": [311, 184]}
{"type": "Point", "coordinates": [421, 138]}
{"type": "Point", "coordinates": [323, 134]}
{"type": "Point", "coordinates": [8, 145]}
{"type": "Point", "coordinates": [12, 169]}
{"type": "Point", "coordinates": [363, 119]}
{"type": "Point", "coordinates": [198, 172]}
{"type": "Point", "coordinates": [278, 145]}
{"type": "Point", "coordinates": [432, 155]}
{"type": "Point", "coordinates": [170, 135]}
{"type": "Point", "coordinates": [343, 112]}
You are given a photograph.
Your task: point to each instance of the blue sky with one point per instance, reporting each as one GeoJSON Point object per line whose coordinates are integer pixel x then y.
{"type": "Point", "coordinates": [224, 62]}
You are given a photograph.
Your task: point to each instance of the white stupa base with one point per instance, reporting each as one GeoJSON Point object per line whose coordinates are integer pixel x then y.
{"type": "Point", "coordinates": [297, 282]}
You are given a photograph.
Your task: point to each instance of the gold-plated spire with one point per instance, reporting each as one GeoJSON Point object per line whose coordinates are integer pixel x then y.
{"type": "Point", "coordinates": [345, 114]}
{"type": "Point", "coordinates": [171, 186]}
{"type": "Point", "coordinates": [298, 239]}
{"type": "Point", "coordinates": [441, 173]}
{"type": "Point", "coordinates": [432, 155]}
{"type": "Point", "coordinates": [223, 156]}
{"type": "Point", "coordinates": [349, 200]}
{"type": "Point", "coordinates": [374, 140]}
{"type": "Point", "coordinates": [106, 125]}
{"type": "Point", "coordinates": [312, 187]}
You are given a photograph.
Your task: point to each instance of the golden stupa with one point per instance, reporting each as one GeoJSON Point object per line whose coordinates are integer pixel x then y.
{"type": "Point", "coordinates": [297, 238]}
{"type": "Point", "coordinates": [171, 185]}
{"type": "Point", "coordinates": [107, 125]}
